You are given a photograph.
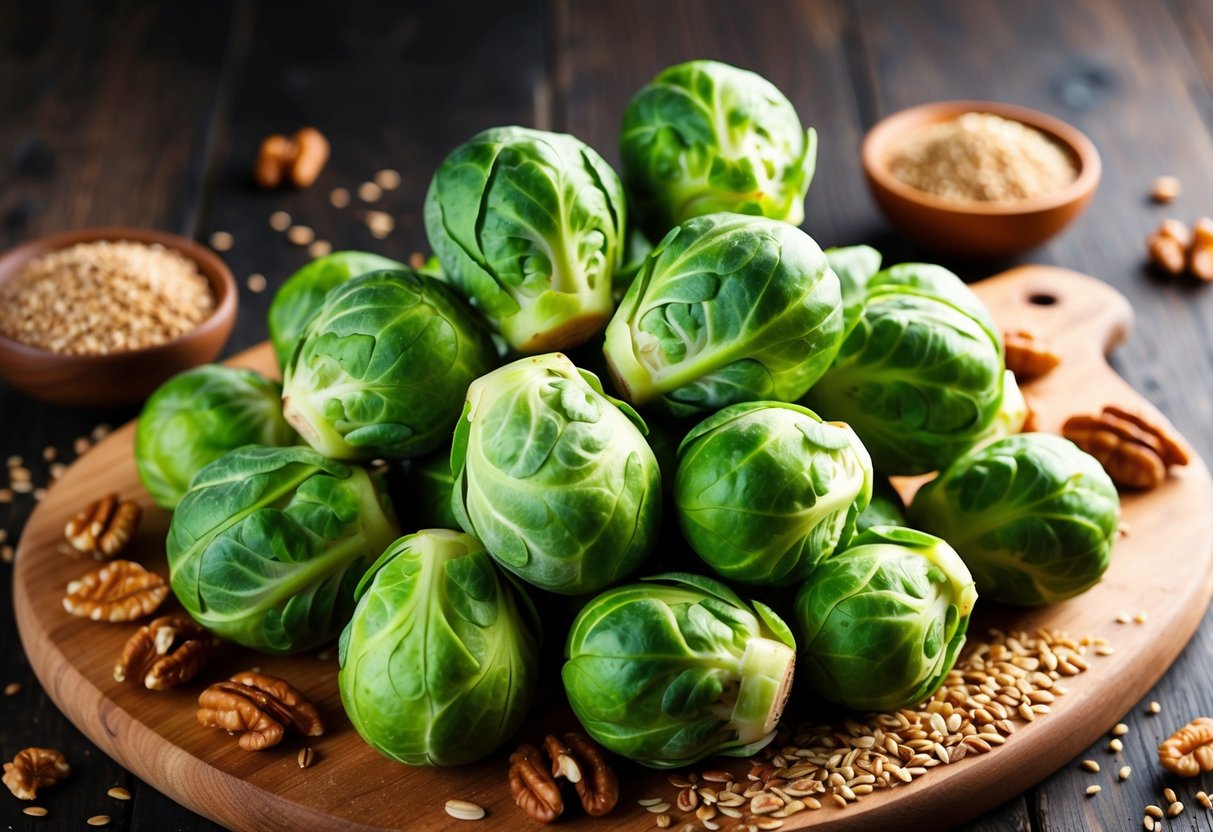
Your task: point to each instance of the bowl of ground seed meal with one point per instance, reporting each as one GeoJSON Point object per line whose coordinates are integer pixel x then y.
{"type": "Point", "coordinates": [101, 317]}
{"type": "Point", "coordinates": [979, 179]}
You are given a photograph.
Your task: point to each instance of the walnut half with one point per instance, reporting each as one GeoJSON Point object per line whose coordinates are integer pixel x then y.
{"type": "Point", "coordinates": [33, 769]}
{"type": "Point", "coordinates": [1189, 751]}
{"type": "Point", "coordinates": [259, 708]}
{"type": "Point", "coordinates": [1135, 451]}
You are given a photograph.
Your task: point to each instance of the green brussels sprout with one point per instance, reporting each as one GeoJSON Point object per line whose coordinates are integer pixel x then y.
{"type": "Point", "coordinates": [302, 295]}
{"type": "Point", "coordinates": [529, 225]}
{"type": "Point", "coordinates": [765, 490]}
{"type": "Point", "coordinates": [439, 662]}
{"type": "Point", "coordinates": [555, 476]}
{"type": "Point", "coordinates": [882, 622]}
{"type": "Point", "coordinates": [705, 137]}
{"type": "Point", "coordinates": [669, 673]}
{"type": "Point", "coordinates": [855, 266]}
{"type": "Point", "coordinates": [885, 509]}
{"type": "Point", "coordinates": [267, 546]}
{"type": "Point", "coordinates": [1012, 413]}
{"type": "Point", "coordinates": [381, 370]}
{"type": "Point", "coordinates": [196, 417]}
{"type": "Point", "coordinates": [920, 375]}
{"type": "Point", "coordinates": [1033, 516]}
{"type": "Point", "coordinates": [726, 309]}
{"type": "Point", "coordinates": [430, 485]}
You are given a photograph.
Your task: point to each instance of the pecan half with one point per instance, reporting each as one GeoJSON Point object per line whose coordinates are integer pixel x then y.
{"type": "Point", "coordinates": [1027, 356]}
{"type": "Point", "coordinates": [532, 787]}
{"type": "Point", "coordinates": [104, 528]}
{"type": "Point", "coordinates": [1189, 751]}
{"type": "Point", "coordinates": [167, 652]}
{"type": "Point", "coordinates": [259, 708]}
{"type": "Point", "coordinates": [1133, 450]}
{"type": "Point", "coordinates": [598, 788]}
{"type": "Point", "coordinates": [33, 769]}
{"type": "Point", "coordinates": [122, 590]}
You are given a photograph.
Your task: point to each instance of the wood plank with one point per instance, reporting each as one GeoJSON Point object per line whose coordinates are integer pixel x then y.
{"type": "Point", "coordinates": [1165, 564]}
{"type": "Point", "coordinates": [1120, 72]}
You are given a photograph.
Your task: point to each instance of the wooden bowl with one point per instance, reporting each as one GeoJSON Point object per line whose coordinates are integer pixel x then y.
{"type": "Point", "coordinates": [119, 378]}
{"type": "Point", "coordinates": [973, 229]}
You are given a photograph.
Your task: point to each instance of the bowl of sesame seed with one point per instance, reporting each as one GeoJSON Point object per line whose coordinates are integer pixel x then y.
{"type": "Point", "coordinates": [101, 317]}
{"type": "Point", "coordinates": [979, 179]}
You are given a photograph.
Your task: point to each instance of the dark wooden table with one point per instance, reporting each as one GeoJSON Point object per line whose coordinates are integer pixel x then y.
{"type": "Point", "coordinates": [149, 114]}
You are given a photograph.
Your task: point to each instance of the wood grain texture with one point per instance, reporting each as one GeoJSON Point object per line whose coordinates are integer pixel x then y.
{"type": "Point", "coordinates": [1164, 565]}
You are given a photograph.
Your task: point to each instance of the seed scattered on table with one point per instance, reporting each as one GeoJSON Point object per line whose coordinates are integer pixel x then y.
{"type": "Point", "coordinates": [1093, 790]}
{"type": "Point", "coordinates": [280, 220]}
{"type": "Point", "coordinates": [1203, 799]}
{"type": "Point", "coordinates": [663, 821]}
{"type": "Point", "coordinates": [1148, 823]}
{"type": "Point", "coordinates": [1169, 795]}
{"type": "Point", "coordinates": [1090, 765]}
{"type": "Point", "coordinates": [35, 811]}
{"type": "Point", "coordinates": [380, 223]}
{"type": "Point", "coordinates": [14, 461]}
{"type": "Point", "coordinates": [306, 757]}
{"type": "Point", "coordinates": [369, 192]}
{"type": "Point", "coordinates": [119, 793]}
{"type": "Point", "coordinates": [388, 179]}
{"type": "Point", "coordinates": [319, 248]}
{"type": "Point", "coordinates": [658, 808]}
{"type": "Point", "coordinates": [339, 197]}
{"type": "Point", "coordinates": [1141, 617]}
{"type": "Point", "coordinates": [12, 689]}
{"type": "Point", "coordinates": [1154, 811]}
{"type": "Point", "coordinates": [1120, 729]}
{"type": "Point", "coordinates": [1166, 189]}
{"type": "Point", "coordinates": [6, 495]}
{"type": "Point", "coordinates": [464, 810]}
{"type": "Point", "coordinates": [81, 445]}
{"type": "Point", "coordinates": [1175, 809]}
{"type": "Point", "coordinates": [7, 553]}
{"type": "Point", "coordinates": [416, 260]}
{"type": "Point", "coordinates": [300, 235]}
{"type": "Point", "coordinates": [1124, 772]}
{"type": "Point", "coordinates": [1154, 708]}
{"type": "Point", "coordinates": [1123, 617]}
{"type": "Point", "coordinates": [222, 241]}
{"type": "Point", "coordinates": [98, 820]}
{"type": "Point", "coordinates": [256, 283]}
{"type": "Point", "coordinates": [1116, 746]}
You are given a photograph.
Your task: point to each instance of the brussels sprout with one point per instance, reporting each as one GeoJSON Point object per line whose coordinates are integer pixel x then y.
{"type": "Point", "coordinates": [196, 417]}
{"type": "Point", "coordinates": [726, 309]}
{"type": "Point", "coordinates": [268, 544]}
{"type": "Point", "coordinates": [1012, 413]}
{"type": "Point", "coordinates": [920, 375]}
{"type": "Point", "coordinates": [882, 622]}
{"type": "Point", "coordinates": [855, 266]}
{"type": "Point", "coordinates": [669, 673]}
{"type": "Point", "coordinates": [765, 490]}
{"type": "Point", "coordinates": [555, 476]}
{"type": "Point", "coordinates": [885, 509]}
{"type": "Point", "coordinates": [706, 137]}
{"type": "Point", "coordinates": [1033, 516]}
{"type": "Point", "coordinates": [430, 485]}
{"type": "Point", "coordinates": [529, 226]}
{"type": "Point", "coordinates": [439, 662]}
{"type": "Point", "coordinates": [382, 368]}
{"type": "Point", "coordinates": [302, 295]}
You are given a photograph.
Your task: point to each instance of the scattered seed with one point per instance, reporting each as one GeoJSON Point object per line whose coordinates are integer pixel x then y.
{"type": "Point", "coordinates": [339, 197]}
{"type": "Point", "coordinates": [6, 495]}
{"type": "Point", "coordinates": [280, 220]}
{"type": "Point", "coordinates": [1154, 708]}
{"type": "Point", "coordinates": [772, 823]}
{"type": "Point", "coordinates": [1169, 795]}
{"type": "Point", "coordinates": [663, 821]}
{"type": "Point", "coordinates": [1141, 617]}
{"type": "Point", "coordinates": [1104, 650]}
{"type": "Point", "coordinates": [256, 283]}
{"type": "Point", "coordinates": [222, 241]}
{"type": "Point", "coordinates": [649, 801]}
{"type": "Point", "coordinates": [49, 453]}
{"type": "Point", "coordinates": [1175, 809]}
{"type": "Point", "coordinates": [416, 260]}
{"type": "Point", "coordinates": [1116, 746]}
{"type": "Point", "coordinates": [39, 494]}
{"type": "Point", "coordinates": [369, 192]}
{"type": "Point", "coordinates": [1165, 189]}
{"type": "Point", "coordinates": [12, 689]}
{"type": "Point", "coordinates": [380, 223]}
{"type": "Point", "coordinates": [7, 553]}
{"type": "Point", "coordinates": [1120, 729]}
{"type": "Point", "coordinates": [98, 820]}
{"type": "Point", "coordinates": [1148, 823]}
{"type": "Point", "coordinates": [1093, 790]}
{"type": "Point", "coordinates": [1123, 774]}
{"type": "Point", "coordinates": [1123, 617]}
{"type": "Point", "coordinates": [717, 776]}
{"type": "Point", "coordinates": [14, 461]}
{"type": "Point", "coordinates": [23, 487]}
{"type": "Point", "coordinates": [306, 756]}
{"type": "Point", "coordinates": [19, 473]}
{"type": "Point", "coordinates": [35, 811]}
{"type": "Point", "coordinates": [1090, 765]}
{"type": "Point", "coordinates": [319, 248]}
{"type": "Point", "coordinates": [1154, 811]}
{"type": "Point", "coordinates": [119, 793]}
{"type": "Point", "coordinates": [839, 801]}
{"type": "Point", "coordinates": [388, 179]}
{"type": "Point", "coordinates": [300, 235]}
{"type": "Point", "coordinates": [81, 445]}
{"type": "Point", "coordinates": [1203, 799]}
{"type": "Point", "coordinates": [464, 810]}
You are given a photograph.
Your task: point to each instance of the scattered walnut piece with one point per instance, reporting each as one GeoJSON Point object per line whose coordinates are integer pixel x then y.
{"type": "Point", "coordinates": [1189, 751]}
{"type": "Point", "coordinates": [298, 159]}
{"type": "Point", "coordinates": [104, 527]}
{"type": "Point", "coordinates": [1168, 244]}
{"type": "Point", "coordinates": [122, 590]}
{"type": "Point", "coordinates": [33, 769]}
{"type": "Point", "coordinates": [533, 788]}
{"type": "Point", "coordinates": [1166, 189]}
{"type": "Point", "coordinates": [1028, 357]}
{"type": "Point", "coordinates": [168, 652]}
{"type": "Point", "coordinates": [1133, 450]}
{"type": "Point", "coordinates": [260, 708]}
{"type": "Point", "coordinates": [598, 787]}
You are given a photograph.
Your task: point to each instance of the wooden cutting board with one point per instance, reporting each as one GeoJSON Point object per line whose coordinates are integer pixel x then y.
{"type": "Point", "coordinates": [1163, 566]}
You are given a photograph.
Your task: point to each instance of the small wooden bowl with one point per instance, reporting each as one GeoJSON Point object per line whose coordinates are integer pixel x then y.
{"type": "Point", "coordinates": [119, 378]}
{"type": "Point", "coordinates": [977, 230]}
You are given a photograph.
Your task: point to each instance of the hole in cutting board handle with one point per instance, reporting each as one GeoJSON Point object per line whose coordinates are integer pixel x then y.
{"type": "Point", "coordinates": [1042, 298]}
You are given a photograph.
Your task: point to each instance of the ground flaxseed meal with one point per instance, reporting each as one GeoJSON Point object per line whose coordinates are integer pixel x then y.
{"type": "Point", "coordinates": [981, 157]}
{"type": "Point", "coordinates": [104, 297]}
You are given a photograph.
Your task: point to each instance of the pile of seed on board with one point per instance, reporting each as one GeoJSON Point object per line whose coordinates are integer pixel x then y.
{"type": "Point", "coordinates": [104, 297]}
{"type": "Point", "coordinates": [982, 157]}
{"type": "Point", "coordinates": [1009, 678]}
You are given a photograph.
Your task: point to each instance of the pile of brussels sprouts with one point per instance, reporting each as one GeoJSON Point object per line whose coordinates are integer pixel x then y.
{"type": "Point", "coordinates": [782, 385]}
